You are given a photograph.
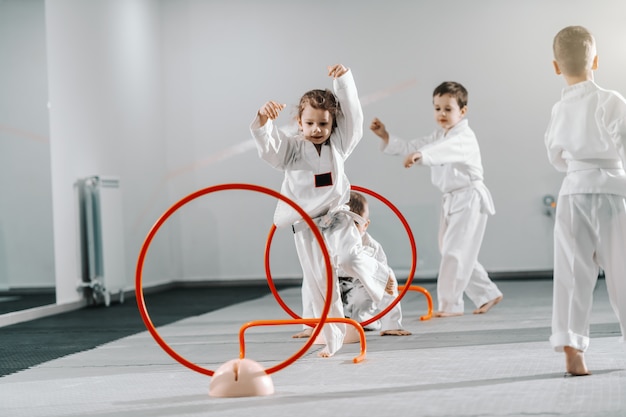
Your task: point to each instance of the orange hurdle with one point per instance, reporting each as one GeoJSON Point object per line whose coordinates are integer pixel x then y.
{"type": "Point", "coordinates": [312, 323]}
{"type": "Point", "coordinates": [401, 289]}
{"type": "Point", "coordinates": [429, 299]}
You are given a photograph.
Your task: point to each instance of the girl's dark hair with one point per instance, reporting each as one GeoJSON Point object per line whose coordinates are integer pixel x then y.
{"type": "Point", "coordinates": [453, 88]}
{"type": "Point", "coordinates": [321, 100]}
{"type": "Point", "coordinates": [357, 203]}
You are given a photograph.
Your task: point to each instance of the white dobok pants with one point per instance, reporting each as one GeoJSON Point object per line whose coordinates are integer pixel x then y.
{"type": "Point", "coordinates": [359, 305]}
{"type": "Point", "coordinates": [589, 234]}
{"type": "Point", "coordinates": [461, 230]}
{"type": "Point", "coordinates": [345, 247]}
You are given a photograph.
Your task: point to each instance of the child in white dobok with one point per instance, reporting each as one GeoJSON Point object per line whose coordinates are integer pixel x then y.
{"type": "Point", "coordinates": [453, 155]}
{"type": "Point", "coordinates": [330, 127]}
{"type": "Point", "coordinates": [586, 139]}
{"type": "Point", "coordinates": [357, 302]}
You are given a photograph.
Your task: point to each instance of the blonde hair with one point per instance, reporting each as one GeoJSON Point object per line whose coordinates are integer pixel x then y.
{"type": "Point", "coordinates": [574, 50]}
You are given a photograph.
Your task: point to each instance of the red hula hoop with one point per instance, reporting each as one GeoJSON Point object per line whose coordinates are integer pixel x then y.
{"type": "Point", "coordinates": [155, 228]}
{"type": "Point", "coordinates": [409, 232]}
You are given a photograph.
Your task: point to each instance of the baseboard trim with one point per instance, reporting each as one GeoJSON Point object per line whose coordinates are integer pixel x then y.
{"type": "Point", "coordinates": [16, 317]}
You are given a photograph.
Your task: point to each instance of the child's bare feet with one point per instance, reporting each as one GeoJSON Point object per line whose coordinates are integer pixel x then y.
{"type": "Point", "coordinates": [395, 332]}
{"type": "Point", "coordinates": [303, 334]}
{"type": "Point", "coordinates": [487, 306]}
{"type": "Point", "coordinates": [443, 314]}
{"type": "Point", "coordinates": [575, 362]}
{"type": "Point", "coordinates": [324, 353]}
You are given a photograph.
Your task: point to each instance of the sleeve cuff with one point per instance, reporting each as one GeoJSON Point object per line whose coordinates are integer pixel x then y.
{"type": "Point", "coordinates": [255, 126]}
{"type": "Point", "coordinates": [425, 159]}
{"type": "Point", "coordinates": [344, 81]}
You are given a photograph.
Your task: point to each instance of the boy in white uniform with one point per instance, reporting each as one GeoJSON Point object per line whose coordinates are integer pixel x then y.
{"type": "Point", "coordinates": [453, 155]}
{"type": "Point", "coordinates": [357, 303]}
{"type": "Point", "coordinates": [586, 138]}
{"type": "Point", "coordinates": [330, 127]}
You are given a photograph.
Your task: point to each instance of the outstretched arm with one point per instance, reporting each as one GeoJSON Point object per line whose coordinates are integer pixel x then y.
{"type": "Point", "coordinates": [412, 158]}
{"type": "Point", "coordinates": [380, 130]}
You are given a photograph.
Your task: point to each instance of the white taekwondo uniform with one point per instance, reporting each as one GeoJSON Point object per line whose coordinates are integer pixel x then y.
{"type": "Point", "coordinates": [359, 305]}
{"type": "Point", "coordinates": [586, 138]}
{"type": "Point", "coordinates": [456, 169]}
{"type": "Point", "coordinates": [318, 184]}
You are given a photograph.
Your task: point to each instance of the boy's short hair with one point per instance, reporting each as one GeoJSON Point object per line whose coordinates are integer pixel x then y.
{"type": "Point", "coordinates": [574, 50]}
{"type": "Point", "coordinates": [453, 88]}
{"type": "Point", "coordinates": [357, 203]}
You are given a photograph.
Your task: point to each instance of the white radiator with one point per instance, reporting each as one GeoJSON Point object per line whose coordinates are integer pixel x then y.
{"type": "Point", "coordinates": [101, 237]}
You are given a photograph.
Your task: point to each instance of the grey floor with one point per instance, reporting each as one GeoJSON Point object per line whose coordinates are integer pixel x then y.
{"type": "Point", "coordinates": [498, 364]}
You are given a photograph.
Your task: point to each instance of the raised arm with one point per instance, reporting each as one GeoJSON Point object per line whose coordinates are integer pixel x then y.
{"type": "Point", "coordinates": [336, 70]}
{"type": "Point", "coordinates": [269, 110]}
{"type": "Point", "coordinates": [272, 145]}
{"type": "Point", "coordinates": [349, 130]}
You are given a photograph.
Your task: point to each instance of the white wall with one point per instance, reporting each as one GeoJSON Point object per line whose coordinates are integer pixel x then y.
{"type": "Point", "coordinates": [105, 118]}
{"type": "Point", "coordinates": [161, 93]}
{"type": "Point", "coordinates": [26, 245]}
{"type": "Point", "coordinates": [222, 60]}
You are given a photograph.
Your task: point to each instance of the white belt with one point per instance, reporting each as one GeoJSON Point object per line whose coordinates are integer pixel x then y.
{"type": "Point", "coordinates": [487, 205]}
{"type": "Point", "coordinates": [594, 164]}
{"type": "Point", "coordinates": [327, 219]}
{"type": "Point", "coordinates": [473, 184]}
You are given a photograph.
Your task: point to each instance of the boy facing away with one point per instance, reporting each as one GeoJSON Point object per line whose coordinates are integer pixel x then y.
{"type": "Point", "coordinates": [453, 155]}
{"type": "Point", "coordinates": [586, 139]}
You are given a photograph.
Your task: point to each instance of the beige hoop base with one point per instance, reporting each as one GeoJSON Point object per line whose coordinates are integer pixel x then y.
{"type": "Point", "coordinates": [241, 378]}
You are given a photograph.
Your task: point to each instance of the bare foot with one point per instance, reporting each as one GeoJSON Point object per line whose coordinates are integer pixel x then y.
{"type": "Point", "coordinates": [303, 334]}
{"type": "Point", "coordinates": [575, 362]}
{"type": "Point", "coordinates": [443, 314]}
{"type": "Point", "coordinates": [395, 332]}
{"type": "Point", "coordinates": [324, 353]}
{"type": "Point", "coordinates": [487, 306]}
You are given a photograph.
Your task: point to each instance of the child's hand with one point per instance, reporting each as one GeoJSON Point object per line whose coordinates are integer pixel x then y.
{"type": "Point", "coordinates": [270, 110]}
{"type": "Point", "coordinates": [379, 129]}
{"type": "Point", "coordinates": [336, 71]}
{"type": "Point", "coordinates": [411, 159]}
